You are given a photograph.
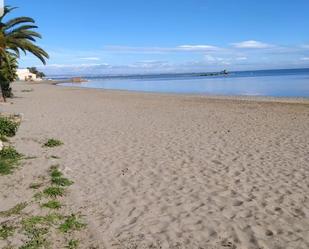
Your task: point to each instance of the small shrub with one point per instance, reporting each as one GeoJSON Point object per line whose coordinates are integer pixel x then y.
{"type": "Point", "coordinates": [52, 204]}
{"type": "Point", "coordinates": [53, 143]}
{"type": "Point", "coordinates": [54, 192]}
{"type": "Point", "coordinates": [71, 223]}
{"type": "Point", "coordinates": [8, 127]}
{"type": "Point", "coordinates": [6, 231]}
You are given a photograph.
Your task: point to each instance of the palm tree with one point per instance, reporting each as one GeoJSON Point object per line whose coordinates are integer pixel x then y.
{"type": "Point", "coordinates": [18, 35]}
{"type": "Point", "coordinates": [8, 74]}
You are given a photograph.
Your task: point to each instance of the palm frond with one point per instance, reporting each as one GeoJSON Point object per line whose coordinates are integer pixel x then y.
{"type": "Point", "coordinates": [16, 21]}
{"type": "Point", "coordinates": [22, 28]}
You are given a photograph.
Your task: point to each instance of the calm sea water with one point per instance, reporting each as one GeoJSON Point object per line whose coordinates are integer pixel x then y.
{"type": "Point", "coordinates": [276, 83]}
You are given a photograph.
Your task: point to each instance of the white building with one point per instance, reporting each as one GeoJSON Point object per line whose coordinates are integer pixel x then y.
{"type": "Point", "coordinates": [25, 75]}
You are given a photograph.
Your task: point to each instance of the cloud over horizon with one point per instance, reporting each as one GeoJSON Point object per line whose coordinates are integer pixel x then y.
{"type": "Point", "coordinates": [251, 44]}
{"type": "Point", "coordinates": [245, 55]}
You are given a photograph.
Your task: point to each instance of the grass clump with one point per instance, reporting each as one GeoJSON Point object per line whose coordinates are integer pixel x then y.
{"type": "Point", "coordinates": [3, 138]}
{"type": "Point", "coordinates": [55, 172]}
{"type": "Point", "coordinates": [14, 210]}
{"type": "Point", "coordinates": [6, 167]}
{"type": "Point", "coordinates": [6, 231]}
{"type": "Point", "coordinates": [54, 191]}
{"type": "Point", "coordinates": [36, 242]}
{"type": "Point", "coordinates": [9, 153]}
{"type": "Point", "coordinates": [8, 127]}
{"type": "Point", "coordinates": [53, 143]}
{"type": "Point", "coordinates": [36, 228]}
{"type": "Point", "coordinates": [52, 204]}
{"type": "Point", "coordinates": [72, 244]}
{"type": "Point", "coordinates": [70, 224]}
{"type": "Point", "coordinates": [32, 222]}
{"type": "Point", "coordinates": [61, 181]}
{"type": "Point", "coordinates": [57, 179]}
{"type": "Point", "coordinates": [36, 233]}
{"type": "Point", "coordinates": [9, 158]}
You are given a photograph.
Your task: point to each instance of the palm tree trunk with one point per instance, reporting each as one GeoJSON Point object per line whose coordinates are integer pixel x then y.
{"type": "Point", "coordinates": [2, 97]}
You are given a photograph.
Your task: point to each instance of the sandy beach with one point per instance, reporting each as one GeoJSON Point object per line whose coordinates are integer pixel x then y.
{"type": "Point", "coordinates": [168, 171]}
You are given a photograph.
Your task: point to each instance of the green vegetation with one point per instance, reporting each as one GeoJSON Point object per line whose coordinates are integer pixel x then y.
{"type": "Point", "coordinates": [9, 158]}
{"type": "Point", "coordinates": [54, 192]}
{"type": "Point", "coordinates": [6, 231]}
{"type": "Point", "coordinates": [72, 244]}
{"type": "Point", "coordinates": [61, 181]}
{"type": "Point", "coordinates": [31, 222]}
{"type": "Point", "coordinates": [54, 171]}
{"type": "Point", "coordinates": [57, 179]}
{"type": "Point", "coordinates": [16, 35]}
{"type": "Point", "coordinates": [37, 240]}
{"type": "Point", "coordinates": [14, 210]}
{"type": "Point", "coordinates": [53, 143]}
{"type": "Point", "coordinates": [35, 71]}
{"type": "Point", "coordinates": [8, 74]}
{"type": "Point", "coordinates": [9, 153]}
{"type": "Point", "coordinates": [6, 168]}
{"type": "Point", "coordinates": [52, 204]}
{"type": "Point", "coordinates": [8, 127]}
{"type": "Point", "coordinates": [71, 223]}
{"type": "Point", "coordinates": [3, 138]}
{"type": "Point", "coordinates": [36, 228]}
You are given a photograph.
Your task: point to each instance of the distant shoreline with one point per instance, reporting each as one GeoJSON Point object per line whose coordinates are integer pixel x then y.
{"type": "Point", "coordinates": [293, 100]}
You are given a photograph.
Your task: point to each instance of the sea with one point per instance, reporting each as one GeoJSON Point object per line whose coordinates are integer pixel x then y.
{"type": "Point", "coordinates": [274, 83]}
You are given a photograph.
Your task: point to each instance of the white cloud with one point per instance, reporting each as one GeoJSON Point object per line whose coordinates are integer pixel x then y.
{"type": "Point", "coordinates": [243, 58]}
{"type": "Point", "coordinates": [251, 44]}
{"type": "Point", "coordinates": [197, 48]}
{"type": "Point", "coordinates": [304, 59]}
{"type": "Point", "coordinates": [305, 46]}
{"type": "Point", "coordinates": [181, 48]}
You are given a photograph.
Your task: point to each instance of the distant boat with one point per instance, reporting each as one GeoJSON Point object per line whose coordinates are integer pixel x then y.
{"type": "Point", "coordinates": [224, 72]}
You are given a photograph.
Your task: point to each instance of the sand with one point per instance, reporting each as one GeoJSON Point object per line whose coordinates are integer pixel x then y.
{"type": "Point", "coordinates": [167, 171]}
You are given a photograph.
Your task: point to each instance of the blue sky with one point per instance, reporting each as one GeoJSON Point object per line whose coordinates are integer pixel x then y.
{"type": "Point", "coordinates": [155, 36]}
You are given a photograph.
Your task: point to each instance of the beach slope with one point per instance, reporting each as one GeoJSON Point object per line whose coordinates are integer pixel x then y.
{"type": "Point", "coordinates": [166, 171]}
